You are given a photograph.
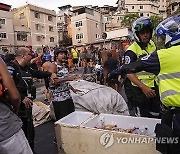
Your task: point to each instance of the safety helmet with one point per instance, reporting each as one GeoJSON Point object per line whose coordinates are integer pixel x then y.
{"type": "Point", "coordinates": [47, 57]}
{"type": "Point", "coordinates": [140, 24]}
{"type": "Point", "coordinates": [170, 28]}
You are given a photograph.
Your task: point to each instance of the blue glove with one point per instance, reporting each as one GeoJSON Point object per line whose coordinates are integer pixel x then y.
{"type": "Point", "coordinates": [114, 73]}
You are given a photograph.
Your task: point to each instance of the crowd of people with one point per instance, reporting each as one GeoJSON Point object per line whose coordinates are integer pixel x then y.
{"type": "Point", "coordinates": [151, 83]}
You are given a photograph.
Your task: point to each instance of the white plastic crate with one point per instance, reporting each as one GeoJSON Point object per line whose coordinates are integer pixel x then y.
{"type": "Point", "coordinates": [124, 122]}
{"type": "Point", "coordinates": [91, 137]}
{"type": "Point", "coordinates": [67, 130]}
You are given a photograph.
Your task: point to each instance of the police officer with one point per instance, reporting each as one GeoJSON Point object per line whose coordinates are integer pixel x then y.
{"type": "Point", "coordinates": [144, 87]}
{"type": "Point", "coordinates": [22, 75]}
{"type": "Point", "coordinates": [165, 64]}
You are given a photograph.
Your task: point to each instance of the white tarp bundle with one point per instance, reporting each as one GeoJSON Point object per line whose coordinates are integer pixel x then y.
{"type": "Point", "coordinates": [98, 98]}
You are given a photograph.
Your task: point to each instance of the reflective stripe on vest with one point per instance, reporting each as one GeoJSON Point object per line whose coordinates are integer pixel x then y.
{"type": "Point", "coordinates": [145, 77]}
{"type": "Point", "coordinates": [169, 93]}
{"type": "Point", "coordinates": [169, 76]}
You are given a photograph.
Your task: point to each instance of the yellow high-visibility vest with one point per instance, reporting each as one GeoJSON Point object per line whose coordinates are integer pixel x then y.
{"type": "Point", "coordinates": [74, 53]}
{"type": "Point", "coordinates": [169, 76]}
{"type": "Point", "coordinates": [145, 77]}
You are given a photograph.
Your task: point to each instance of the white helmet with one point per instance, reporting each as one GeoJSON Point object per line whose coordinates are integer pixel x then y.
{"type": "Point", "coordinates": [170, 27]}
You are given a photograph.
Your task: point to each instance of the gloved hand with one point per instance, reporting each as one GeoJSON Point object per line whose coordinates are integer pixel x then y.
{"type": "Point", "coordinates": [112, 75]}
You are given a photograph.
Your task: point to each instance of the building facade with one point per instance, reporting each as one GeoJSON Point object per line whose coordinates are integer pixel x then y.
{"type": "Point", "coordinates": [87, 26]}
{"type": "Point", "coordinates": [6, 27]}
{"type": "Point", "coordinates": [145, 8]}
{"type": "Point", "coordinates": [40, 21]}
{"type": "Point", "coordinates": [163, 5]}
{"type": "Point", "coordinates": [173, 7]}
{"type": "Point", "coordinates": [63, 25]}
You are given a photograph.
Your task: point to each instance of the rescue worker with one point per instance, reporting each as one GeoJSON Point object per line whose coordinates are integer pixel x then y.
{"type": "Point", "coordinates": [22, 75]}
{"type": "Point", "coordinates": [165, 64]}
{"type": "Point", "coordinates": [144, 86]}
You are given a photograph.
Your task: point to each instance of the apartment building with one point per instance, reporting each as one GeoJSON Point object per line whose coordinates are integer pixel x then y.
{"type": "Point", "coordinates": [111, 17]}
{"type": "Point", "coordinates": [6, 27]}
{"type": "Point", "coordinates": [40, 21]}
{"type": "Point", "coordinates": [63, 25]}
{"type": "Point", "coordinates": [163, 4]}
{"type": "Point", "coordinates": [87, 26]}
{"type": "Point", "coordinates": [174, 7]}
{"type": "Point", "coordinates": [145, 8]}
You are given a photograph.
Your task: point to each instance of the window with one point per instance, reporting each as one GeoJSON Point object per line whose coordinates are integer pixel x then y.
{"type": "Point", "coordinates": [141, 7]}
{"type": "Point", "coordinates": [97, 36]}
{"type": "Point", "coordinates": [78, 24]}
{"type": "Point", "coordinates": [97, 25]}
{"type": "Point", "coordinates": [21, 16]}
{"type": "Point", "coordinates": [38, 38]}
{"type": "Point", "coordinates": [50, 28]}
{"type": "Point", "coordinates": [79, 36]}
{"type": "Point", "coordinates": [22, 36]}
{"type": "Point", "coordinates": [3, 35]}
{"type": "Point", "coordinates": [147, 15]}
{"type": "Point", "coordinates": [51, 39]}
{"type": "Point", "coordinates": [132, 7]}
{"type": "Point", "coordinates": [2, 21]}
{"type": "Point", "coordinates": [37, 15]}
{"type": "Point", "coordinates": [141, 14]}
{"type": "Point", "coordinates": [50, 18]}
{"type": "Point", "coordinates": [38, 27]}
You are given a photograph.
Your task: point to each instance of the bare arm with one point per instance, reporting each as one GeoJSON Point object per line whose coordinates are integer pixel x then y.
{"type": "Point", "coordinates": [135, 80]}
{"type": "Point", "coordinates": [55, 80]}
{"type": "Point", "coordinates": [9, 84]}
{"type": "Point", "coordinates": [146, 90]}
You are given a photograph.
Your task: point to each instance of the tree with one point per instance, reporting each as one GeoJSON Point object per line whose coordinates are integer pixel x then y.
{"type": "Point", "coordinates": [129, 19]}
{"type": "Point", "coordinates": [158, 41]}
{"type": "Point", "coordinates": [156, 20]}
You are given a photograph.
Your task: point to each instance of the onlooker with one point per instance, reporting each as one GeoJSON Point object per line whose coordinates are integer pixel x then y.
{"type": "Point", "coordinates": [52, 54]}
{"type": "Point", "coordinates": [75, 56]}
{"type": "Point", "coordinates": [23, 78]}
{"type": "Point", "coordinates": [12, 138]}
{"type": "Point", "coordinates": [110, 64]}
{"type": "Point", "coordinates": [45, 67]}
{"type": "Point", "coordinates": [70, 61]}
{"type": "Point", "coordinates": [5, 53]}
{"type": "Point", "coordinates": [60, 87]}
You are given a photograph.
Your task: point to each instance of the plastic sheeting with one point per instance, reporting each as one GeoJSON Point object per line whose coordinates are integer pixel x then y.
{"type": "Point", "coordinates": [98, 98]}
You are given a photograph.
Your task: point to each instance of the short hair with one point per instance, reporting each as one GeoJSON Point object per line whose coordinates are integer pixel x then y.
{"type": "Point", "coordinates": [5, 50]}
{"type": "Point", "coordinates": [109, 54]}
{"type": "Point", "coordinates": [21, 51]}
